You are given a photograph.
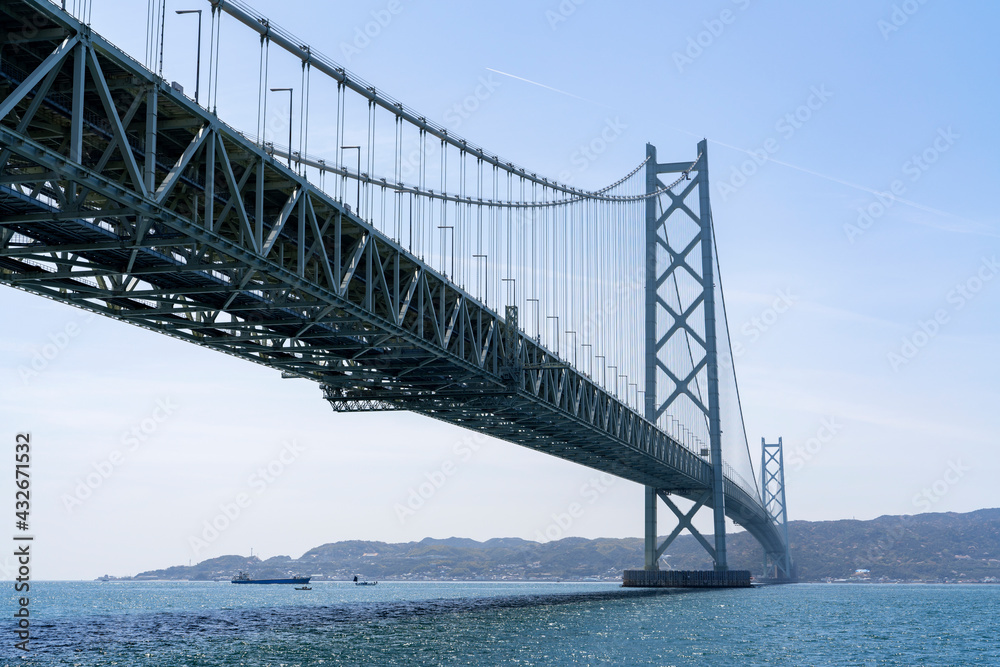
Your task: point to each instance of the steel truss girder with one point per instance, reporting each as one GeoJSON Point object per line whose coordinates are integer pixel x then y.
{"type": "Point", "coordinates": [209, 224]}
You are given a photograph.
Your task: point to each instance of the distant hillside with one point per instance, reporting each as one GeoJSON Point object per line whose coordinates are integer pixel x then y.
{"type": "Point", "coordinates": [925, 547]}
{"type": "Point", "coordinates": [933, 547]}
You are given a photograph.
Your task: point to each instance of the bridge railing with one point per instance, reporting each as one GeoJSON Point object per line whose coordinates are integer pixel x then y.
{"type": "Point", "coordinates": [740, 481]}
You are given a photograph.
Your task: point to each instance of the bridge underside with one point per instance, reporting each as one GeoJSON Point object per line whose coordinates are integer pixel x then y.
{"type": "Point", "coordinates": [123, 197]}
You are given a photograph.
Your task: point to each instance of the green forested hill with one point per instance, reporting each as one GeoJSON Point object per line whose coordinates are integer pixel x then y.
{"type": "Point", "coordinates": [924, 547]}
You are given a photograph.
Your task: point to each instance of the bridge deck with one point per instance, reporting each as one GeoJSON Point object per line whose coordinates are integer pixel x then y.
{"type": "Point", "coordinates": [196, 232]}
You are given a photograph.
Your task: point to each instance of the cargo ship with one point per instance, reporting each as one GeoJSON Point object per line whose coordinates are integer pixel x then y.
{"type": "Point", "coordinates": [244, 578]}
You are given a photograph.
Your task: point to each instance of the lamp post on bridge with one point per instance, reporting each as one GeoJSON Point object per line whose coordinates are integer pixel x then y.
{"type": "Point", "coordinates": [556, 318]}
{"type": "Point", "coordinates": [538, 328]}
{"type": "Point", "coordinates": [513, 300]}
{"type": "Point", "coordinates": [357, 203]}
{"type": "Point", "coordinates": [452, 228]}
{"type": "Point", "coordinates": [486, 277]}
{"type": "Point", "coordinates": [398, 194]}
{"type": "Point", "coordinates": [574, 345]}
{"type": "Point", "coordinates": [197, 78]}
{"type": "Point", "coordinates": [290, 111]}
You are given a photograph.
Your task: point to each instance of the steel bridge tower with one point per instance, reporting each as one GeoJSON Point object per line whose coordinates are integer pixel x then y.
{"type": "Point", "coordinates": [664, 388]}
{"type": "Point", "coordinates": [772, 493]}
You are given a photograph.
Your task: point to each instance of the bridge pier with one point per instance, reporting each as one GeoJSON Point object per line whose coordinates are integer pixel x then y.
{"type": "Point", "coordinates": [652, 558]}
{"type": "Point", "coordinates": [686, 579]}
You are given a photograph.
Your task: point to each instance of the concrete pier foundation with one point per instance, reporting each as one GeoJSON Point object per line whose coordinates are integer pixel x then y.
{"type": "Point", "coordinates": [686, 579]}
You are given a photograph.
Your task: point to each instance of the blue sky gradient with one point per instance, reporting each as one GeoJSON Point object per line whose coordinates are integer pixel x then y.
{"type": "Point", "coordinates": [879, 372]}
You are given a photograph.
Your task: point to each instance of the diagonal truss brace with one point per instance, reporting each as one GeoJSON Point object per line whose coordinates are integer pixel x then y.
{"type": "Point", "coordinates": [684, 521]}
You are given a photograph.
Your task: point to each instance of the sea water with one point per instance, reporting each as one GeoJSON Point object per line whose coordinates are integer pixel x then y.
{"type": "Point", "coordinates": [457, 623]}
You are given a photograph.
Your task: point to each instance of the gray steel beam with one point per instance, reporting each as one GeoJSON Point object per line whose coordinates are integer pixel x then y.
{"type": "Point", "coordinates": [651, 560]}
{"type": "Point", "coordinates": [76, 120]}
{"type": "Point", "coordinates": [712, 354]}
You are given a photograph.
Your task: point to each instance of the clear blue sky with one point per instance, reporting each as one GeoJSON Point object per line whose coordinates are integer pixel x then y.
{"type": "Point", "coordinates": [881, 374]}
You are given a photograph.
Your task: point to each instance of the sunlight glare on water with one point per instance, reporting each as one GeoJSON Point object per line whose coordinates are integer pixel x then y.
{"type": "Point", "coordinates": [132, 623]}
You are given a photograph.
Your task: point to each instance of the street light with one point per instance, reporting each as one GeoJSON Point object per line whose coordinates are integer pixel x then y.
{"type": "Point", "coordinates": [538, 321]}
{"type": "Point", "coordinates": [358, 149]}
{"type": "Point", "coordinates": [290, 96]}
{"type": "Point", "coordinates": [400, 239]}
{"type": "Point", "coordinates": [514, 281]}
{"type": "Point", "coordinates": [452, 228]}
{"type": "Point", "coordinates": [486, 276]}
{"type": "Point", "coordinates": [197, 79]}
{"type": "Point", "coordinates": [556, 318]}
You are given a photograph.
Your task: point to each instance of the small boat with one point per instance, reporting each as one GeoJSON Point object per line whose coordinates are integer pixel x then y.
{"type": "Point", "coordinates": [364, 583]}
{"type": "Point", "coordinates": [303, 588]}
{"type": "Point", "coordinates": [244, 578]}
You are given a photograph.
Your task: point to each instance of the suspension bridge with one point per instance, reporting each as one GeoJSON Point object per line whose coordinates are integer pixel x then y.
{"type": "Point", "coordinates": [401, 268]}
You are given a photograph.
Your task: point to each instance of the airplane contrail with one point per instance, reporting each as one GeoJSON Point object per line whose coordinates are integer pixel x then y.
{"type": "Point", "coordinates": [542, 85]}
{"type": "Point", "coordinates": [827, 177]}
{"type": "Point", "coordinates": [863, 188]}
